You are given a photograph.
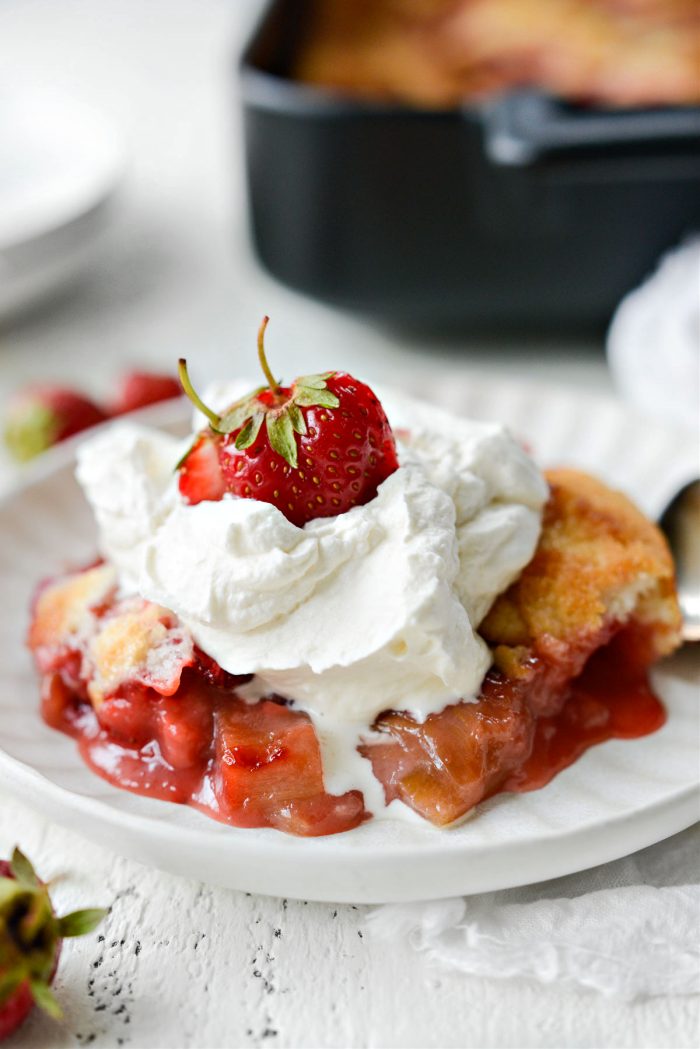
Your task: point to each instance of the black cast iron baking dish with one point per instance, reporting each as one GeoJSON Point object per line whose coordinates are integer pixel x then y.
{"type": "Point", "coordinates": [523, 211]}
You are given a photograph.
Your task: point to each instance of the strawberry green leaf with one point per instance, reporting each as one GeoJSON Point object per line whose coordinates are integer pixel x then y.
{"type": "Point", "coordinates": [250, 431]}
{"type": "Point", "coordinates": [9, 982]}
{"type": "Point", "coordinates": [239, 412]}
{"type": "Point", "coordinates": [44, 999]}
{"type": "Point", "coordinates": [314, 382]}
{"type": "Point", "coordinates": [235, 417]}
{"type": "Point", "coordinates": [37, 916]}
{"type": "Point", "coordinates": [297, 417]}
{"type": "Point", "coordinates": [11, 891]}
{"type": "Point", "coordinates": [22, 868]}
{"type": "Point", "coordinates": [308, 397]}
{"type": "Point", "coordinates": [79, 923]}
{"type": "Point", "coordinates": [280, 434]}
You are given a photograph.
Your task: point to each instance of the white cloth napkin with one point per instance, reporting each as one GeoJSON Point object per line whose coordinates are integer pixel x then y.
{"type": "Point", "coordinates": [630, 928]}
{"type": "Point", "coordinates": [654, 340]}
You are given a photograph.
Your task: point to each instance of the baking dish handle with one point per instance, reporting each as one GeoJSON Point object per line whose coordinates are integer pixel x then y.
{"type": "Point", "coordinates": [523, 128]}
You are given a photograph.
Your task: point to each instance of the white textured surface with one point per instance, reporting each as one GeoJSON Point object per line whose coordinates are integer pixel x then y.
{"type": "Point", "coordinates": [629, 929]}
{"type": "Point", "coordinates": [185, 965]}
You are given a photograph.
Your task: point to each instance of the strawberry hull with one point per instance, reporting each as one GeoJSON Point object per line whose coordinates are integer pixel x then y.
{"type": "Point", "coordinates": [15, 1009]}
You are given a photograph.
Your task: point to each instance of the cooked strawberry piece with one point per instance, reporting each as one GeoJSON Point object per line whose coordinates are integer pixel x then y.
{"type": "Point", "coordinates": [477, 743]}
{"type": "Point", "coordinates": [323, 814]}
{"type": "Point", "coordinates": [139, 389]}
{"type": "Point", "coordinates": [522, 731]}
{"type": "Point", "coordinates": [180, 724]}
{"type": "Point", "coordinates": [184, 724]}
{"type": "Point", "coordinates": [143, 771]}
{"type": "Point", "coordinates": [201, 478]}
{"type": "Point", "coordinates": [313, 449]}
{"type": "Point", "coordinates": [61, 707]}
{"type": "Point", "coordinates": [128, 715]}
{"type": "Point", "coordinates": [268, 772]}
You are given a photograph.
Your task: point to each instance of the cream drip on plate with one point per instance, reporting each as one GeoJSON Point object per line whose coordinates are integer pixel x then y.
{"type": "Point", "coordinates": [374, 609]}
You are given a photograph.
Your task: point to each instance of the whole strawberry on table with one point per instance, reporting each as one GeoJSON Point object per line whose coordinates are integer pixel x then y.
{"type": "Point", "coordinates": [31, 935]}
{"type": "Point", "coordinates": [44, 414]}
{"type": "Point", "coordinates": [313, 449]}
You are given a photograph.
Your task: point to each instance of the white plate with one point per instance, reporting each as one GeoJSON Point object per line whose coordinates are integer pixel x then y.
{"type": "Point", "coordinates": [619, 797]}
{"type": "Point", "coordinates": [61, 165]}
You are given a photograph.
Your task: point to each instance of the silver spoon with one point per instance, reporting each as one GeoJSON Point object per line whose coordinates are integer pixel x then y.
{"type": "Point", "coordinates": [680, 523]}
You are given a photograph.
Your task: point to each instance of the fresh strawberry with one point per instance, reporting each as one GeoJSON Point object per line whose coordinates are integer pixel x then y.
{"type": "Point", "coordinates": [30, 942]}
{"type": "Point", "coordinates": [269, 773]}
{"type": "Point", "coordinates": [41, 416]}
{"type": "Point", "coordinates": [201, 476]}
{"type": "Point", "coordinates": [139, 389]}
{"type": "Point", "coordinates": [326, 445]}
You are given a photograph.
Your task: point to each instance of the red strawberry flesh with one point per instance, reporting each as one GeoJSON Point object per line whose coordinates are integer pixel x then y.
{"type": "Point", "coordinates": [139, 389]}
{"type": "Point", "coordinates": [201, 477]}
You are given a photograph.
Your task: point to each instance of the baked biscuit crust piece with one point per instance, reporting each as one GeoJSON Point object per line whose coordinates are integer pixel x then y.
{"type": "Point", "coordinates": [599, 564]}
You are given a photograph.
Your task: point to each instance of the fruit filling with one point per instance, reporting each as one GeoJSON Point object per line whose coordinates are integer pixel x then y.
{"type": "Point", "coordinates": [175, 726]}
{"type": "Point", "coordinates": [166, 721]}
{"type": "Point", "coordinates": [520, 733]}
{"type": "Point", "coordinates": [188, 736]}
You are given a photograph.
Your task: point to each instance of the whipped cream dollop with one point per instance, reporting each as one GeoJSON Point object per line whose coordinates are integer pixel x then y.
{"type": "Point", "coordinates": [377, 608]}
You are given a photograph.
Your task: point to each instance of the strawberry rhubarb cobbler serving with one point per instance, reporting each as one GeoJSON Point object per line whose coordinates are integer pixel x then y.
{"type": "Point", "coordinates": [322, 609]}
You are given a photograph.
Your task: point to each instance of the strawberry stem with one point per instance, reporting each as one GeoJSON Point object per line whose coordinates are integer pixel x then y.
{"type": "Point", "coordinates": [189, 389]}
{"type": "Point", "coordinates": [272, 382]}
